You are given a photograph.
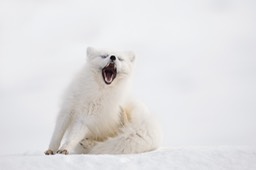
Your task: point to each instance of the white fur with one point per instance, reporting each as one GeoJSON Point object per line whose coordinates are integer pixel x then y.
{"type": "Point", "coordinates": [97, 118]}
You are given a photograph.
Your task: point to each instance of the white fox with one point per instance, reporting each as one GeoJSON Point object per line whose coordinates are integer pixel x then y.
{"type": "Point", "coordinates": [98, 114]}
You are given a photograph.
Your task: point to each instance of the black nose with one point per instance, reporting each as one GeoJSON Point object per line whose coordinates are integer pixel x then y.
{"type": "Point", "coordinates": [113, 58]}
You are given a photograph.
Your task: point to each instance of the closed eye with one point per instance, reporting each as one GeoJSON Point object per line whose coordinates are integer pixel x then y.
{"type": "Point", "coordinates": [104, 56]}
{"type": "Point", "coordinates": [120, 59]}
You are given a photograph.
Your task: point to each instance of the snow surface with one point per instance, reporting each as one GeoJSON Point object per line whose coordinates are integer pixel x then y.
{"type": "Point", "coordinates": [197, 158]}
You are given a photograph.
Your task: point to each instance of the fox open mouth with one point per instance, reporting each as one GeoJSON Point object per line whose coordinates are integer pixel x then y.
{"type": "Point", "coordinates": [109, 73]}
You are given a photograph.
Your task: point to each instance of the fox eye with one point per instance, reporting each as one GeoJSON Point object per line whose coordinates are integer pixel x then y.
{"type": "Point", "coordinates": [120, 59]}
{"type": "Point", "coordinates": [103, 56]}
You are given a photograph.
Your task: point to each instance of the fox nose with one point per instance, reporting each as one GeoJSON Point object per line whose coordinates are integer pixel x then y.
{"type": "Point", "coordinates": [112, 58]}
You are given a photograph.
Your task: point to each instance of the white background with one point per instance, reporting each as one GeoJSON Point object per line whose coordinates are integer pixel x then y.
{"type": "Point", "coordinates": [196, 65]}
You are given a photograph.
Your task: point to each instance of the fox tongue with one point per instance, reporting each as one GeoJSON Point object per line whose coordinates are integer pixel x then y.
{"type": "Point", "coordinates": [109, 73]}
{"type": "Point", "coordinates": [108, 77]}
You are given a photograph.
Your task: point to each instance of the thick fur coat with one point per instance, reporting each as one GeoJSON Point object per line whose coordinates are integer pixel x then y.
{"type": "Point", "coordinates": [99, 114]}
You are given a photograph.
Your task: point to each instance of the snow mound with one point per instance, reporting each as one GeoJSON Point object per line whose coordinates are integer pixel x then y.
{"type": "Point", "coordinates": [219, 158]}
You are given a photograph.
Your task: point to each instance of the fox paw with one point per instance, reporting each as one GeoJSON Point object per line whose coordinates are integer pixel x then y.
{"type": "Point", "coordinates": [49, 152]}
{"type": "Point", "coordinates": [62, 151]}
{"type": "Point", "coordinates": [87, 143]}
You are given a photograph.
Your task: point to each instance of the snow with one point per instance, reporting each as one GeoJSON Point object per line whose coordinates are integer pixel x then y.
{"type": "Point", "coordinates": [195, 69]}
{"type": "Point", "coordinates": [193, 158]}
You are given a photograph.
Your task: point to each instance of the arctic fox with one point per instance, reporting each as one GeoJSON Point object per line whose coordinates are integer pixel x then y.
{"type": "Point", "coordinates": [99, 115]}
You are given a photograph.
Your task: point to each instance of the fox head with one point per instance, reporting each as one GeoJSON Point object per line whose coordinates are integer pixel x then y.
{"type": "Point", "coordinates": [112, 66]}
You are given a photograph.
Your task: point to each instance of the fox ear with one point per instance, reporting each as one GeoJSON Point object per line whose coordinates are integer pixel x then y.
{"type": "Point", "coordinates": [90, 52]}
